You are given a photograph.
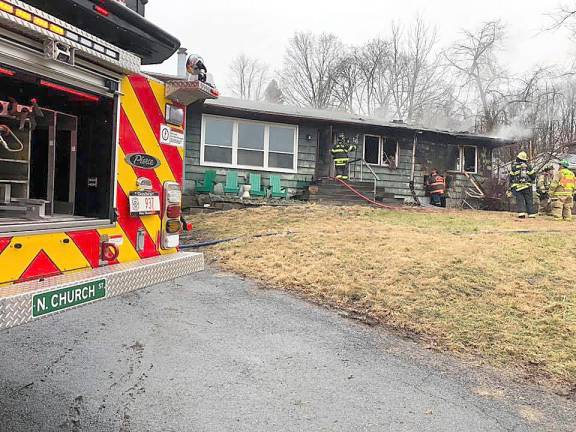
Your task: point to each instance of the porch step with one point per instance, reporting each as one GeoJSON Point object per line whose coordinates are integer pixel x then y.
{"type": "Point", "coordinates": [334, 193]}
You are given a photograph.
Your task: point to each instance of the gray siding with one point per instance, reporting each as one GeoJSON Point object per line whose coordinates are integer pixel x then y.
{"type": "Point", "coordinates": [193, 171]}
{"type": "Point", "coordinates": [432, 151]}
{"type": "Point", "coordinates": [428, 155]}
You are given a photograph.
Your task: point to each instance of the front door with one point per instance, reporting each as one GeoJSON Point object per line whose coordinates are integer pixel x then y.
{"type": "Point", "coordinates": [324, 164]}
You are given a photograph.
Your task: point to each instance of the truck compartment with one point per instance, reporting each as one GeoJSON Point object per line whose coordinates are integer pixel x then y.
{"type": "Point", "coordinates": [57, 155]}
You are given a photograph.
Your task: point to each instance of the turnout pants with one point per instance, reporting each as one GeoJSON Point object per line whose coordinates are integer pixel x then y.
{"type": "Point", "coordinates": [524, 201]}
{"type": "Point", "coordinates": [562, 207]}
{"type": "Point", "coordinates": [438, 199]}
{"type": "Point", "coordinates": [342, 171]}
{"type": "Point", "coordinates": [544, 204]}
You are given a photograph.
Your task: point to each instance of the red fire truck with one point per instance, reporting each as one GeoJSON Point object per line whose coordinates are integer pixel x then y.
{"type": "Point", "coordinates": [91, 155]}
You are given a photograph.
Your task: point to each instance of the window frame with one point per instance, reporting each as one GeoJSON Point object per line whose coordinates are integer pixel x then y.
{"type": "Point", "coordinates": [462, 165]}
{"type": "Point", "coordinates": [379, 149]}
{"type": "Point", "coordinates": [381, 141]}
{"type": "Point", "coordinates": [235, 148]}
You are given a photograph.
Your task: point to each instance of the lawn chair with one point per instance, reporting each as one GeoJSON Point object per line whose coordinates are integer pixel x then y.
{"type": "Point", "coordinates": [256, 183]}
{"type": "Point", "coordinates": [207, 186]}
{"type": "Point", "coordinates": [276, 189]}
{"type": "Point", "coordinates": [231, 186]}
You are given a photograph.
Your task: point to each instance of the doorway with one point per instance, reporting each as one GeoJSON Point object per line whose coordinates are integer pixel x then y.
{"type": "Point", "coordinates": [324, 164]}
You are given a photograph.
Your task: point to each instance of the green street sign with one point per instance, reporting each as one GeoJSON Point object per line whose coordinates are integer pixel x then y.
{"type": "Point", "coordinates": [54, 301]}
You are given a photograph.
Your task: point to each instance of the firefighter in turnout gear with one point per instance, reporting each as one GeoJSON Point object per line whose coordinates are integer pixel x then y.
{"type": "Point", "coordinates": [341, 155]}
{"type": "Point", "coordinates": [522, 176]}
{"type": "Point", "coordinates": [436, 186]}
{"type": "Point", "coordinates": [562, 192]}
{"type": "Point", "coordinates": [543, 190]}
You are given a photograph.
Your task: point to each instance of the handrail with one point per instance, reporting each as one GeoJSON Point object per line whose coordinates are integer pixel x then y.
{"type": "Point", "coordinates": [363, 162]}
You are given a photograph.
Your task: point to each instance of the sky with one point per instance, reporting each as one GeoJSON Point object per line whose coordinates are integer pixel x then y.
{"type": "Point", "coordinates": [218, 30]}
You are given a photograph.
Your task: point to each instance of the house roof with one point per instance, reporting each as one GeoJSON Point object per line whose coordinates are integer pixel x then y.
{"type": "Point", "coordinates": [340, 117]}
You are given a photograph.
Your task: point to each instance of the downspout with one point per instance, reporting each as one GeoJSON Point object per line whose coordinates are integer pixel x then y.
{"type": "Point", "coordinates": [413, 172]}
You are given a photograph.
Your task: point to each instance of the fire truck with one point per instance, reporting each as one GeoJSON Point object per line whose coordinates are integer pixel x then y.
{"type": "Point", "coordinates": [91, 155]}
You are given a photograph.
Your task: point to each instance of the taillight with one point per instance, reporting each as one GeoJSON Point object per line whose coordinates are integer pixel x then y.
{"type": "Point", "coordinates": [172, 226]}
{"type": "Point", "coordinates": [173, 212]}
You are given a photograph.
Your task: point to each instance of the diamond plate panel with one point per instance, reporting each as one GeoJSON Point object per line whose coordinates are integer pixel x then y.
{"type": "Point", "coordinates": [127, 62]}
{"type": "Point", "coordinates": [16, 300]}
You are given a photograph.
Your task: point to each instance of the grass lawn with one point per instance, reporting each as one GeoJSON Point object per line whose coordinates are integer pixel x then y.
{"type": "Point", "coordinates": [476, 283]}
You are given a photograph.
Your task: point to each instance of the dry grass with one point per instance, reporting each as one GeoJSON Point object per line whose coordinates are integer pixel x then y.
{"type": "Point", "coordinates": [463, 280]}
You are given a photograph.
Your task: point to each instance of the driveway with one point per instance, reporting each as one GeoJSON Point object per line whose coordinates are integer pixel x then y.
{"type": "Point", "coordinates": [212, 352]}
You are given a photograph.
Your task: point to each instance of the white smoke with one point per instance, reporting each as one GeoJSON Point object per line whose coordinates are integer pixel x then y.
{"type": "Point", "coordinates": [514, 131]}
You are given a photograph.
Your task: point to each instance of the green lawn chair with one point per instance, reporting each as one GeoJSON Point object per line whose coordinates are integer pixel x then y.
{"type": "Point", "coordinates": [207, 186]}
{"type": "Point", "coordinates": [231, 186]}
{"type": "Point", "coordinates": [256, 183]}
{"type": "Point", "coordinates": [276, 189]}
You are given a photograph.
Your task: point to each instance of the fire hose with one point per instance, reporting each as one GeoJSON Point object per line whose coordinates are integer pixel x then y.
{"type": "Point", "coordinates": [6, 131]}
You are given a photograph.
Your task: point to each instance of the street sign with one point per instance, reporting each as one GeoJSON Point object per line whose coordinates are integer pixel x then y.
{"type": "Point", "coordinates": [53, 301]}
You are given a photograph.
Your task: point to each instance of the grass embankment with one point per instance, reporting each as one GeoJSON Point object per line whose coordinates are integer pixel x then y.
{"type": "Point", "coordinates": [463, 280]}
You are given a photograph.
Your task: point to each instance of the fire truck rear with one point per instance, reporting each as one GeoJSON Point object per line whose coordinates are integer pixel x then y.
{"type": "Point", "coordinates": [91, 155]}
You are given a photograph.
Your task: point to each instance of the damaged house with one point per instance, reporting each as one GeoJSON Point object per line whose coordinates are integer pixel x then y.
{"type": "Point", "coordinates": [294, 143]}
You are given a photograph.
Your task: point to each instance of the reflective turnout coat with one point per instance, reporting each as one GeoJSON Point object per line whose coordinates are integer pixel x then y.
{"type": "Point", "coordinates": [564, 184]}
{"type": "Point", "coordinates": [522, 175]}
{"type": "Point", "coordinates": [340, 153]}
{"type": "Point", "coordinates": [436, 184]}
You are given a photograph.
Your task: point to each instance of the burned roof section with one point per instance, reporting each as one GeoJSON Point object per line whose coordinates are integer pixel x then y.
{"type": "Point", "coordinates": [287, 113]}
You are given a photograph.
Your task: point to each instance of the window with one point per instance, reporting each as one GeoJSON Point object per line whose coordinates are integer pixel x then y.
{"type": "Point", "coordinates": [218, 136]}
{"type": "Point", "coordinates": [248, 144]}
{"type": "Point", "coordinates": [469, 159]}
{"type": "Point", "coordinates": [464, 159]}
{"type": "Point", "coordinates": [381, 151]}
{"type": "Point", "coordinates": [281, 150]}
{"type": "Point", "coordinates": [251, 144]}
{"type": "Point", "coordinates": [389, 152]}
{"type": "Point", "coordinates": [372, 149]}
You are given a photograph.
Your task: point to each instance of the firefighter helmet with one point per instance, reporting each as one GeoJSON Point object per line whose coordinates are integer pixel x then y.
{"type": "Point", "coordinates": [522, 156]}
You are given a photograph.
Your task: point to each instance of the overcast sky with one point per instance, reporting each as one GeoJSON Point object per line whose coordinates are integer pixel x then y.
{"type": "Point", "coordinates": [218, 30]}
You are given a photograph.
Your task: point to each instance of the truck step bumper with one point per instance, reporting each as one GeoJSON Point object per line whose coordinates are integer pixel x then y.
{"type": "Point", "coordinates": [24, 302]}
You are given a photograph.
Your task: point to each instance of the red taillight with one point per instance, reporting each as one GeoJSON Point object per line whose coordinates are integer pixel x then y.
{"type": "Point", "coordinates": [173, 212]}
{"type": "Point", "coordinates": [7, 72]}
{"type": "Point", "coordinates": [69, 90]}
{"type": "Point", "coordinates": [101, 10]}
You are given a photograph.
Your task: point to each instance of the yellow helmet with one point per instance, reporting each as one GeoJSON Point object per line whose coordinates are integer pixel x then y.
{"type": "Point", "coordinates": [522, 156]}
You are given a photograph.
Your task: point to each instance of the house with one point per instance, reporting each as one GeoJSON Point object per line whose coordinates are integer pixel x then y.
{"type": "Point", "coordinates": [294, 142]}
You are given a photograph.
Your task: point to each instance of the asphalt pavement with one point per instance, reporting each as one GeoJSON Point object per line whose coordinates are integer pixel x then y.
{"type": "Point", "coordinates": [212, 352]}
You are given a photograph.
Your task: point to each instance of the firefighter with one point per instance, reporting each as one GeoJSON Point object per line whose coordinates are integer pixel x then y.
{"type": "Point", "coordinates": [522, 176]}
{"type": "Point", "coordinates": [341, 154]}
{"type": "Point", "coordinates": [436, 186]}
{"type": "Point", "coordinates": [543, 190]}
{"type": "Point", "coordinates": [562, 192]}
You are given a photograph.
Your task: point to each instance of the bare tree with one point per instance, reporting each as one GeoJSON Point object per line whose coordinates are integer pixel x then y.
{"type": "Point", "coordinates": [411, 72]}
{"type": "Point", "coordinates": [310, 67]}
{"type": "Point", "coordinates": [247, 77]}
{"type": "Point", "coordinates": [474, 59]}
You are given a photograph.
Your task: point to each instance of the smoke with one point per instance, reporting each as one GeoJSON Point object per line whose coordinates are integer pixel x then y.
{"type": "Point", "coordinates": [514, 131]}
